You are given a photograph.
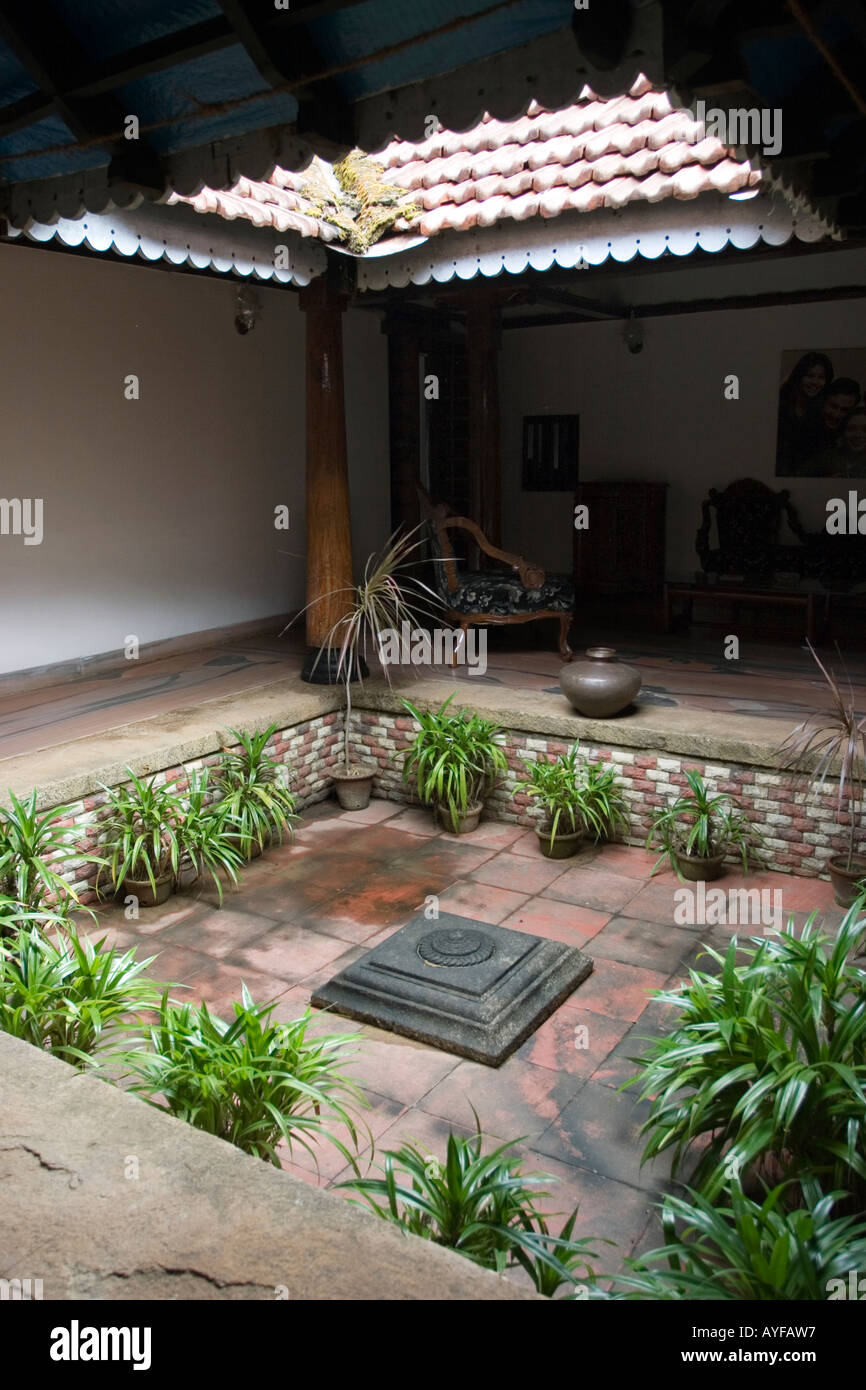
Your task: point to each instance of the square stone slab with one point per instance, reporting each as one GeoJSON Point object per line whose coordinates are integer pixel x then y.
{"type": "Point", "coordinates": [464, 986]}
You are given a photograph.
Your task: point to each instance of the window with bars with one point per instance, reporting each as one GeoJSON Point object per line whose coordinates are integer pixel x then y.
{"type": "Point", "coordinates": [550, 452]}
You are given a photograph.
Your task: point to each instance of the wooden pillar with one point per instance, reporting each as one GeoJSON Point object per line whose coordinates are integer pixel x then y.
{"type": "Point", "coordinates": [482, 347]}
{"type": "Point", "coordinates": [329, 534]}
{"type": "Point", "coordinates": [404, 409]}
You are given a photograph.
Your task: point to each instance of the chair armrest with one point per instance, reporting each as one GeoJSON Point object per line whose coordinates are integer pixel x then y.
{"type": "Point", "coordinates": [531, 576]}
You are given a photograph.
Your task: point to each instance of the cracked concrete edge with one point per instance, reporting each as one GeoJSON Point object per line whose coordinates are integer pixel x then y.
{"type": "Point", "coordinates": [72, 770]}
{"type": "Point", "coordinates": [202, 1221]}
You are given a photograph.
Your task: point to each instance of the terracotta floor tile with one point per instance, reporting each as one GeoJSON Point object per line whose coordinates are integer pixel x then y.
{"type": "Point", "coordinates": [496, 834]}
{"type": "Point", "coordinates": [480, 902]}
{"type": "Point", "coordinates": [600, 1130]}
{"type": "Point", "coordinates": [607, 1210]}
{"type": "Point", "coordinates": [285, 899]}
{"type": "Point", "coordinates": [516, 1100]}
{"type": "Point", "coordinates": [358, 914]}
{"type": "Point", "coordinates": [399, 1068]}
{"type": "Point", "coordinates": [218, 933]}
{"type": "Point", "coordinates": [557, 921]}
{"type": "Point", "coordinates": [618, 1066]}
{"type": "Point", "coordinates": [374, 1119]}
{"type": "Point", "coordinates": [289, 952]}
{"type": "Point", "coordinates": [453, 860]}
{"type": "Point", "coordinates": [573, 1040]}
{"type": "Point", "coordinates": [518, 872]}
{"type": "Point", "coordinates": [415, 820]}
{"type": "Point", "coordinates": [647, 944]}
{"type": "Point", "coordinates": [630, 860]}
{"type": "Point", "coordinates": [378, 810]}
{"type": "Point", "coordinates": [219, 986]}
{"type": "Point", "coordinates": [175, 965]}
{"type": "Point", "coordinates": [619, 991]}
{"type": "Point", "coordinates": [590, 887]}
{"type": "Point", "coordinates": [654, 901]}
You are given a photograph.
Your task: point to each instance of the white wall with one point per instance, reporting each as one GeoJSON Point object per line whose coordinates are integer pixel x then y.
{"type": "Point", "coordinates": [158, 513]}
{"type": "Point", "coordinates": [661, 414]}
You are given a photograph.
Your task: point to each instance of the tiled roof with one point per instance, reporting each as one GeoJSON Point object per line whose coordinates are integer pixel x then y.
{"type": "Point", "coordinates": [594, 154]}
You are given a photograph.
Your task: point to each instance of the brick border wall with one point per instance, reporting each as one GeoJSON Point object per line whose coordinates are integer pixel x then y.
{"type": "Point", "coordinates": [309, 750]}
{"type": "Point", "coordinates": [799, 827]}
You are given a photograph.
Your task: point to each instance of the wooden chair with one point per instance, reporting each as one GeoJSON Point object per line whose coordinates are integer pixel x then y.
{"type": "Point", "coordinates": [485, 597]}
{"type": "Point", "coordinates": [748, 524]}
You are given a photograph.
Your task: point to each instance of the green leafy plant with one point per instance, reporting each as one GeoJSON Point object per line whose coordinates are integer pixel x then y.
{"type": "Point", "coordinates": [737, 1248]}
{"type": "Point", "coordinates": [454, 759]}
{"type": "Point", "coordinates": [32, 845]}
{"type": "Point", "coordinates": [701, 825]}
{"type": "Point", "coordinates": [151, 830]}
{"type": "Point", "coordinates": [481, 1205]}
{"type": "Point", "coordinates": [206, 834]}
{"type": "Point", "coordinates": [140, 832]}
{"type": "Point", "coordinates": [388, 596]}
{"type": "Point", "coordinates": [833, 741]}
{"type": "Point", "coordinates": [252, 794]}
{"type": "Point", "coordinates": [766, 1068]}
{"type": "Point", "coordinates": [578, 796]}
{"type": "Point", "coordinates": [252, 1082]}
{"type": "Point", "coordinates": [69, 995]}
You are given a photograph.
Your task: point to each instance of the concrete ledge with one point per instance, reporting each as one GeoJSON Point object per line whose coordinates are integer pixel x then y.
{"type": "Point", "coordinates": [73, 770]}
{"type": "Point", "coordinates": [202, 1221]}
{"type": "Point", "coordinates": [70, 771]}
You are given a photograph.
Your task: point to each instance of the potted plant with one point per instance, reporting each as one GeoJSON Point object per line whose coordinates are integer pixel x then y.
{"type": "Point", "coordinates": [833, 741]}
{"type": "Point", "coordinates": [151, 831]}
{"type": "Point", "coordinates": [207, 839]}
{"type": "Point", "coordinates": [253, 797]}
{"type": "Point", "coordinates": [455, 760]}
{"type": "Point", "coordinates": [385, 600]}
{"type": "Point", "coordinates": [578, 801]}
{"type": "Point", "coordinates": [33, 846]}
{"type": "Point", "coordinates": [697, 830]}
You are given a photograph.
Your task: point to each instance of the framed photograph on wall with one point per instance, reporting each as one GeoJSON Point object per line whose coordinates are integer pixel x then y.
{"type": "Point", "coordinates": [821, 429]}
{"type": "Point", "coordinates": [550, 452]}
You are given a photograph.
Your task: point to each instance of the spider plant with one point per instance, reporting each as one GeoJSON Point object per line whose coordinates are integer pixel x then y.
{"type": "Point", "coordinates": [481, 1205]}
{"type": "Point", "coordinates": [737, 1248]}
{"type": "Point", "coordinates": [696, 830]}
{"type": "Point", "coordinates": [388, 596]}
{"type": "Point", "coordinates": [69, 996]}
{"type": "Point", "coordinates": [141, 833]}
{"type": "Point", "coordinates": [455, 760]}
{"type": "Point", "coordinates": [252, 1082]}
{"type": "Point", "coordinates": [829, 742]}
{"type": "Point", "coordinates": [32, 844]}
{"type": "Point", "coordinates": [253, 797]}
{"type": "Point", "coordinates": [205, 834]}
{"type": "Point", "coordinates": [766, 1068]}
{"type": "Point", "coordinates": [582, 798]}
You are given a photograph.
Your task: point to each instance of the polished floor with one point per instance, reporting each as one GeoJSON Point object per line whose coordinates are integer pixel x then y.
{"type": "Point", "coordinates": [680, 670]}
{"type": "Point", "coordinates": [351, 879]}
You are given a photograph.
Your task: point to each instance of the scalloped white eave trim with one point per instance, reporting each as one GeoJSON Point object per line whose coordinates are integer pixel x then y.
{"type": "Point", "coordinates": [578, 239]}
{"type": "Point", "coordinates": [155, 232]}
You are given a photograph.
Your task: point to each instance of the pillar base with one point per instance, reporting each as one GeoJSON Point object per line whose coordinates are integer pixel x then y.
{"type": "Point", "coordinates": [320, 667]}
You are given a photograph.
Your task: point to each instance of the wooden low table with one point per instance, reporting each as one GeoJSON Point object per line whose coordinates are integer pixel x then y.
{"type": "Point", "coordinates": [734, 596]}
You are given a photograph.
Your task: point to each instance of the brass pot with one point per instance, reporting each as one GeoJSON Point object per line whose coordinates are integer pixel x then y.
{"type": "Point", "coordinates": [599, 686]}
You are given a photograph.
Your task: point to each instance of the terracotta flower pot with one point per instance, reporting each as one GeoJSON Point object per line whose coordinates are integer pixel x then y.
{"type": "Point", "coordinates": [467, 820]}
{"type": "Point", "coordinates": [599, 686]}
{"type": "Point", "coordinates": [563, 847]}
{"type": "Point", "coordinates": [353, 785]}
{"type": "Point", "coordinates": [698, 870]}
{"type": "Point", "coordinates": [845, 880]}
{"type": "Point", "coordinates": [140, 888]}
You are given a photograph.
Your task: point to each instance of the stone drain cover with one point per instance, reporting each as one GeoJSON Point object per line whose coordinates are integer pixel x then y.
{"type": "Point", "coordinates": [466, 987]}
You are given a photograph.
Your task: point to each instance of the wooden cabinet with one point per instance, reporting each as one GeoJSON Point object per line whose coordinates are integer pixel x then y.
{"type": "Point", "coordinates": [623, 549]}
